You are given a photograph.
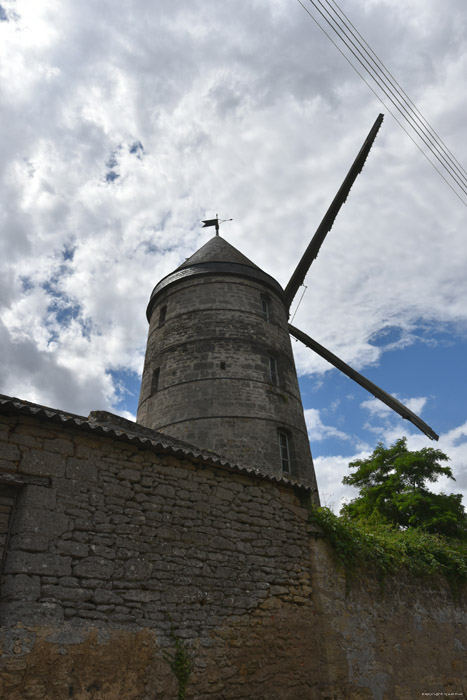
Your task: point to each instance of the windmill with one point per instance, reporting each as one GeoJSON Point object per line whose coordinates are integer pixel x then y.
{"type": "Point", "coordinates": [302, 269]}
{"type": "Point", "coordinates": [219, 370]}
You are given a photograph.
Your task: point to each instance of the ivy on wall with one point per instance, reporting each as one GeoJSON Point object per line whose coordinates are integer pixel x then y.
{"type": "Point", "coordinates": [386, 550]}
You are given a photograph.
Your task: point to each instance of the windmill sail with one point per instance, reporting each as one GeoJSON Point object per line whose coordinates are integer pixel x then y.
{"type": "Point", "coordinates": [386, 398]}
{"type": "Point", "coordinates": [328, 220]}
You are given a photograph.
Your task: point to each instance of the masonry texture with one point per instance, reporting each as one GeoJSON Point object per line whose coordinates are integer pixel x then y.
{"type": "Point", "coordinates": [120, 537]}
{"type": "Point", "coordinates": [219, 370]}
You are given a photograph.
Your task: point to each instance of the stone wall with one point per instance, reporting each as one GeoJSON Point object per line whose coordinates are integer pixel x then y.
{"type": "Point", "coordinates": [405, 640]}
{"type": "Point", "coordinates": [116, 544]}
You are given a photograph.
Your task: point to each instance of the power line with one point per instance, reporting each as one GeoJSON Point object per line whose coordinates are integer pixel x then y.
{"type": "Point", "coordinates": [382, 102]}
{"type": "Point", "coordinates": [417, 131]}
{"type": "Point", "coordinates": [398, 101]}
{"type": "Point", "coordinates": [402, 92]}
{"type": "Point", "coordinates": [377, 79]}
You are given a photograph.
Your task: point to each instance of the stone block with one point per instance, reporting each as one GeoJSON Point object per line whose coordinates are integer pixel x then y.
{"type": "Point", "coordinates": [68, 581]}
{"type": "Point", "coordinates": [21, 587]}
{"type": "Point", "coordinates": [94, 583]}
{"type": "Point", "coordinates": [77, 512]}
{"type": "Point", "coordinates": [184, 514]}
{"type": "Point", "coordinates": [83, 451]}
{"type": "Point", "coordinates": [129, 474]}
{"type": "Point", "coordinates": [65, 593]}
{"type": "Point", "coordinates": [104, 540]}
{"type": "Point", "coordinates": [91, 615]}
{"type": "Point", "coordinates": [42, 463]}
{"type": "Point", "coordinates": [293, 552]}
{"type": "Point", "coordinates": [6, 466]}
{"type": "Point", "coordinates": [131, 530]}
{"type": "Point", "coordinates": [41, 564]}
{"type": "Point", "coordinates": [102, 596]}
{"type": "Point", "coordinates": [102, 551]}
{"type": "Point", "coordinates": [135, 570]}
{"type": "Point", "coordinates": [9, 452]}
{"type": "Point", "coordinates": [44, 523]}
{"type": "Point", "coordinates": [30, 613]}
{"type": "Point", "coordinates": [38, 497]}
{"type": "Point", "coordinates": [29, 542]}
{"type": "Point", "coordinates": [81, 470]}
{"type": "Point", "coordinates": [83, 526]}
{"type": "Point", "coordinates": [61, 445]}
{"type": "Point", "coordinates": [121, 618]}
{"type": "Point", "coordinates": [118, 491]}
{"type": "Point", "coordinates": [27, 441]}
{"type": "Point", "coordinates": [165, 490]}
{"type": "Point", "coordinates": [105, 527]}
{"type": "Point", "coordinates": [77, 550]}
{"type": "Point", "coordinates": [140, 596]}
{"type": "Point", "coordinates": [223, 494]}
{"type": "Point", "coordinates": [94, 567]}
{"type": "Point", "coordinates": [6, 424]}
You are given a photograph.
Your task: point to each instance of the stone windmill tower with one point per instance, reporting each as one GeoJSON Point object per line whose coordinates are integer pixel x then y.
{"type": "Point", "coordinates": [219, 371]}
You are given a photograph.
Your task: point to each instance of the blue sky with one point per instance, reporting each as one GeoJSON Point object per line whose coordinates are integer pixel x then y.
{"type": "Point", "coordinates": [123, 128]}
{"type": "Point", "coordinates": [432, 367]}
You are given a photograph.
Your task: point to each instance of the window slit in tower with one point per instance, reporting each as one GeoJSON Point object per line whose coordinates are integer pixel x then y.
{"type": "Point", "coordinates": [155, 380]}
{"type": "Point", "coordinates": [162, 315]}
{"type": "Point", "coordinates": [284, 451]}
{"type": "Point", "coordinates": [273, 370]}
{"type": "Point", "coordinates": [265, 307]}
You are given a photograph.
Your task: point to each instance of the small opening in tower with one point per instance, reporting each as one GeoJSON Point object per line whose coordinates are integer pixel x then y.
{"type": "Point", "coordinates": [155, 380]}
{"type": "Point", "coordinates": [162, 315]}
{"type": "Point", "coordinates": [265, 307]}
{"type": "Point", "coordinates": [222, 365]}
{"type": "Point", "coordinates": [273, 370]}
{"type": "Point", "coordinates": [284, 448]}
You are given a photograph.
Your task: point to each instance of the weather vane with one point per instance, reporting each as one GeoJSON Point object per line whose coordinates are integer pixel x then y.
{"type": "Point", "coordinates": [214, 222]}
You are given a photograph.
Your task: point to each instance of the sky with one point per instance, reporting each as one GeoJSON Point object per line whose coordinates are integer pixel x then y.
{"type": "Point", "coordinates": [125, 124]}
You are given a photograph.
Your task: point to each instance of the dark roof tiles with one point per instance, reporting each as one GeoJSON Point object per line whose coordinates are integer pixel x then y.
{"type": "Point", "coordinates": [112, 426]}
{"type": "Point", "coordinates": [217, 250]}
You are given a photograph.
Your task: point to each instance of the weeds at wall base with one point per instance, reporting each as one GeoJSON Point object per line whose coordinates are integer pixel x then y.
{"type": "Point", "coordinates": [181, 664]}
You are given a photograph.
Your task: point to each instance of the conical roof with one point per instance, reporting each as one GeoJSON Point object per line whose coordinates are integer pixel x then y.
{"type": "Point", "coordinates": [216, 257]}
{"type": "Point", "coordinates": [217, 250]}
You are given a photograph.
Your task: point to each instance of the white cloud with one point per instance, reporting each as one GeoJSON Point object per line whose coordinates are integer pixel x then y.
{"type": "Point", "coordinates": [381, 410]}
{"type": "Point", "coordinates": [317, 430]}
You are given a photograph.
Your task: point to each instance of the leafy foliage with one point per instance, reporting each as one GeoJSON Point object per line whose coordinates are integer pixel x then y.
{"type": "Point", "coordinates": [181, 664]}
{"type": "Point", "coordinates": [386, 550]}
{"type": "Point", "coordinates": [393, 490]}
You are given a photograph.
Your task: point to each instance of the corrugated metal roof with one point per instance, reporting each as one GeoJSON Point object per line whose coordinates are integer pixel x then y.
{"type": "Point", "coordinates": [110, 425]}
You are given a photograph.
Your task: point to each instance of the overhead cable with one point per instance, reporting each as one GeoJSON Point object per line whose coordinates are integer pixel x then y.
{"type": "Point", "coordinates": [417, 131]}
{"type": "Point", "coordinates": [382, 85]}
{"type": "Point", "coordinates": [418, 115]}
{"type": "Point", "coordinates": [397, 99]}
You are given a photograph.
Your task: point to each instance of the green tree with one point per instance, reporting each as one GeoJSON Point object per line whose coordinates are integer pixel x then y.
{"type": "Point", "coordinates": [393, 489]}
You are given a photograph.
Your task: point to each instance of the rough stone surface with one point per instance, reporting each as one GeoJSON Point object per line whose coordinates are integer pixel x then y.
{"type": "Point", "coordinates": [215, 389]}
{"type": "Point", "coordinates": [124, 545]}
